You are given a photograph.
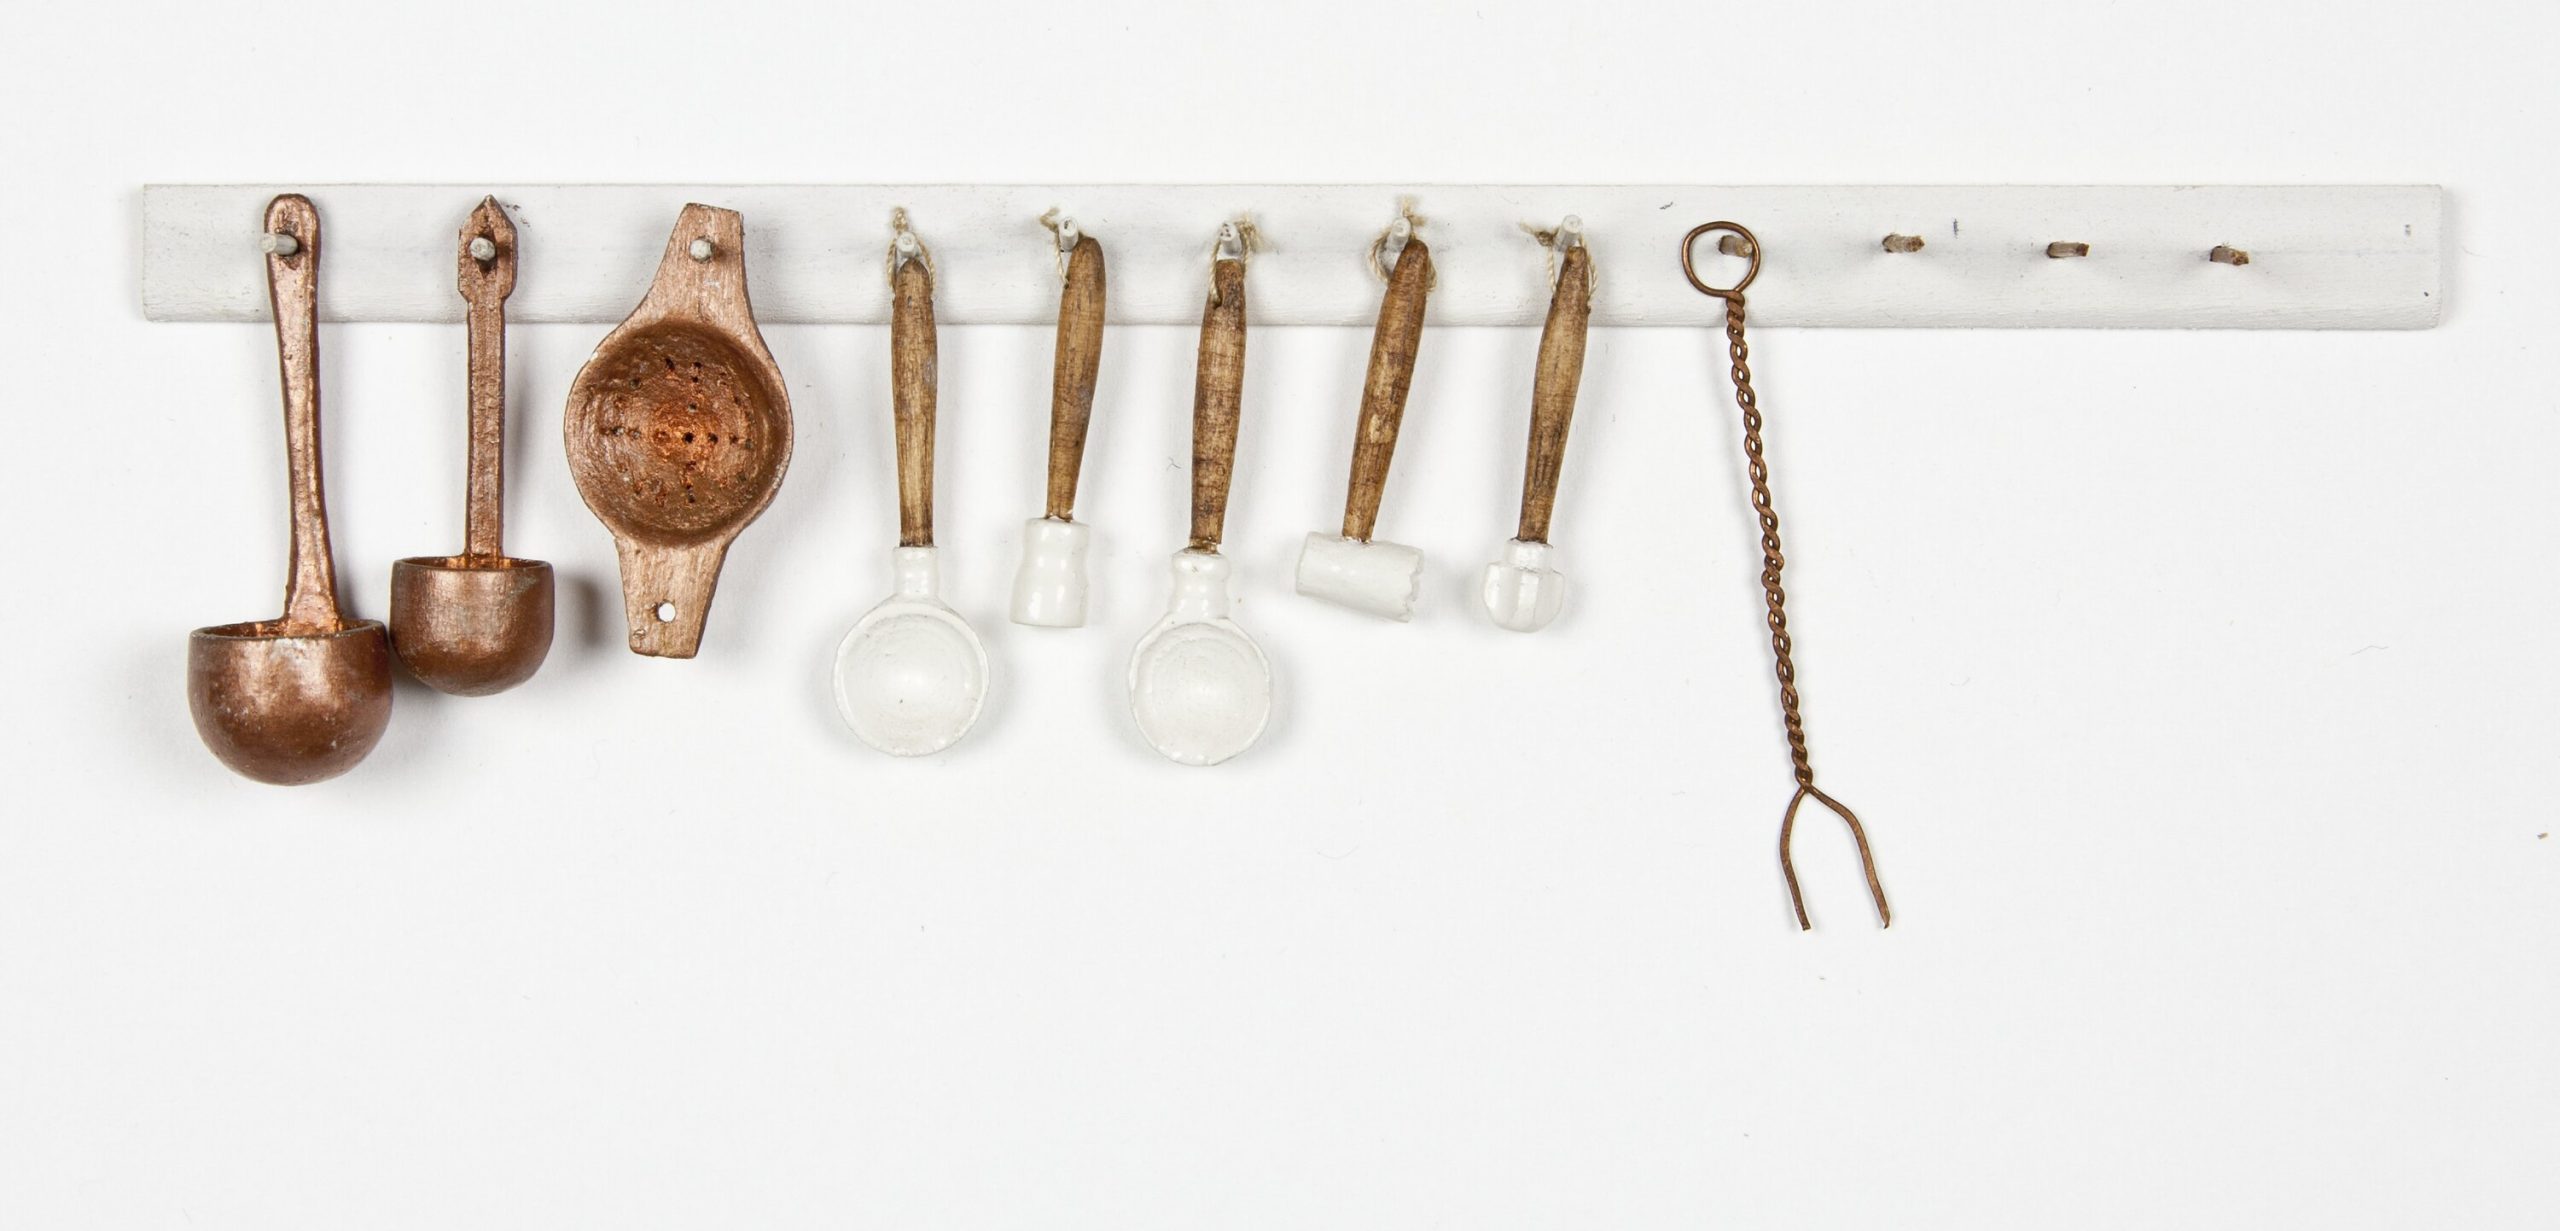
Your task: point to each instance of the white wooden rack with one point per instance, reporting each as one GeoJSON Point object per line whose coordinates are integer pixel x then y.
{"type": "Point", "coordinates": [2337, 257]}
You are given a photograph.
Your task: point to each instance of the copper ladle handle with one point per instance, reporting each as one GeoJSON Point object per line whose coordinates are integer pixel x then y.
{"type": "Point", "coordinates": [1551, 399]}
{"type": "Point", "coordinates": [1391, 355]}
{"type": "Point", "coordinates": [485, 285]}
{"type": "Point", "coordinates": [293, 279]}
{"type": "Point", "coordinates": [912, 372]}
{"type": "Point", "coordinates": [1217, 403]}
{"type": "Point", "coordinates": [1079, 365]}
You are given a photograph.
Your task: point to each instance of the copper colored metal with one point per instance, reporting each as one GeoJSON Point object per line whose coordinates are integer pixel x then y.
{"type": "Point", "coordinates": [1773, 563]}
{"type": "Point", "coordinates": [306, 695]}
{"type": "Point", "coordinates": [479, 622]}
{"type": "Point", "coordinates": [679, 430]}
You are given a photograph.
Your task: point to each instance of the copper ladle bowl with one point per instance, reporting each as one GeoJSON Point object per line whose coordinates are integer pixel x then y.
{"type": "Point", "coordinates": [286, 707]}
{"type": "Point", "coordinates": [471, 625]}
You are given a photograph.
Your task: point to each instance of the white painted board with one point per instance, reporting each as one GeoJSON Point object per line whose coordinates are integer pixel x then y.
{"type": "Point", "coordinates": [2339, 257]}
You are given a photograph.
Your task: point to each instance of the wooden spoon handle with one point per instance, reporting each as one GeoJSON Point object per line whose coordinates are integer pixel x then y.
{"type": "Point", "coordinates": [485, 286]}
{"type": "Point", "coordinates": [293, 282]}
{"type": "Point", "coordinates": [1078, 365]}
{"type": "Point", "coordinates": [912, 373]}
{"type": "Point", "coordinates": [1217, 404]}
{"type": "Point", "coordinates": [1391, 354]}
{"type": "Point", "coordinates": [1551, 399]}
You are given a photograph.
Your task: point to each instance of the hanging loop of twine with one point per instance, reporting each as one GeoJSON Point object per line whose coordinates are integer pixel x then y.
{"type": "Point", "coordinates": [1062, 229]}
{"type": "Point", "coordinates": [904, 246]}
{"type": "Point", "coordinates": [1558, 240]}
{"type": "Point", "coordinates": [1238, 238]}
{"type": "Point", "coordinates": [1403, 228]}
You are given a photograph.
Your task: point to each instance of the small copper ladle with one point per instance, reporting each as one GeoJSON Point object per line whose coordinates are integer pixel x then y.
{"type": "Point", "coordinates": [306, 695]}
{"type": "Point", "coordinates": [479, 622]}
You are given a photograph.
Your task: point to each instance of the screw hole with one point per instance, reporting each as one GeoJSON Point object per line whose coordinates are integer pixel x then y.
{"type": "Point", "coordinates": [666, 613]}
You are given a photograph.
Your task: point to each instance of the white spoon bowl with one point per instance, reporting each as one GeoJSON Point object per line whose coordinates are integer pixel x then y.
{"type": "Point", "coordinates": [911, 677]}
{"type": "Point", "coordinates": [1198, 685]}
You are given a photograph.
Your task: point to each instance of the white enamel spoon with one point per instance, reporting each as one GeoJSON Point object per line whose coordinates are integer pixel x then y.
{"type": "Point", "coordinates": [911, 677]}
{"type": "Point", "coordinates": [1198, 685]}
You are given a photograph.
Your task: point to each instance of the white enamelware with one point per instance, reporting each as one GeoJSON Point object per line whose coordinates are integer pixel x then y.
{"type": "Point", "coordinates": [1378, 577]}
{"type": "Point", "coordinates": [1198, 685]}
{"type": "Point", "coordinates": [1049, 589]}
{"type": "Point", "coordinates": [912, 675]}
{"type": "Point", "coordinates": [1523, 591]}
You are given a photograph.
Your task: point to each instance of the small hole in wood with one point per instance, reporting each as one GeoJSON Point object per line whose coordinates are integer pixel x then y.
{"type": "Point", "coordinates": [666, 613]}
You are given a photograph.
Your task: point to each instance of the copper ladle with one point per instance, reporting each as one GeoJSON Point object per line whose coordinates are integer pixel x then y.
{"type": "Point", "coordinates": [304, 696]}
{"type": "Point", "coordinates": [479, 622]}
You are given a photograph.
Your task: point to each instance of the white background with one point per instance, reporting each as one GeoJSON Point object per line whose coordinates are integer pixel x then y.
{"type": "Point", "coordinates": [2199, 689]}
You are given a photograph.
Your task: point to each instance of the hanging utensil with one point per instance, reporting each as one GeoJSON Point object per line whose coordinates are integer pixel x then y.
{"type": "Point", "coordinates": [1355, 570]}
{"type": "Point", "coordinates": [304, 696]}
{"type": "Point", "coordinates": [1198, 685]}
{"type": "Point", "coordinates": [1773, 563]}
{"type": "Point", "coordinates": [1523, 591]}
{"type": "Point", "coordinates": [1049, 590]}
{"type": "Point", "coordinates": [912, 675]}
{"type": "Point", "coordinates": [479, 622]}
{"type": "Point", "coordinates": [679, 430]}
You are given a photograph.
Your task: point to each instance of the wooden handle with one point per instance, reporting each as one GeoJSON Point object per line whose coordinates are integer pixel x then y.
{"type": "Point", "coordinates": [1551, 399]}
{"type": "Point", "coordinates": [1391, 354]}
{"type": "Point", "coordinates": [912, 373]}
{"type": "Point", "coordinates": [485, 286]}
{"type": "Point", "coordinates": [293, 285]}
{"type": "Point", "coordinates": [1079, 363]}
{"type": "Point", "coordinates": [1217, 404]}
